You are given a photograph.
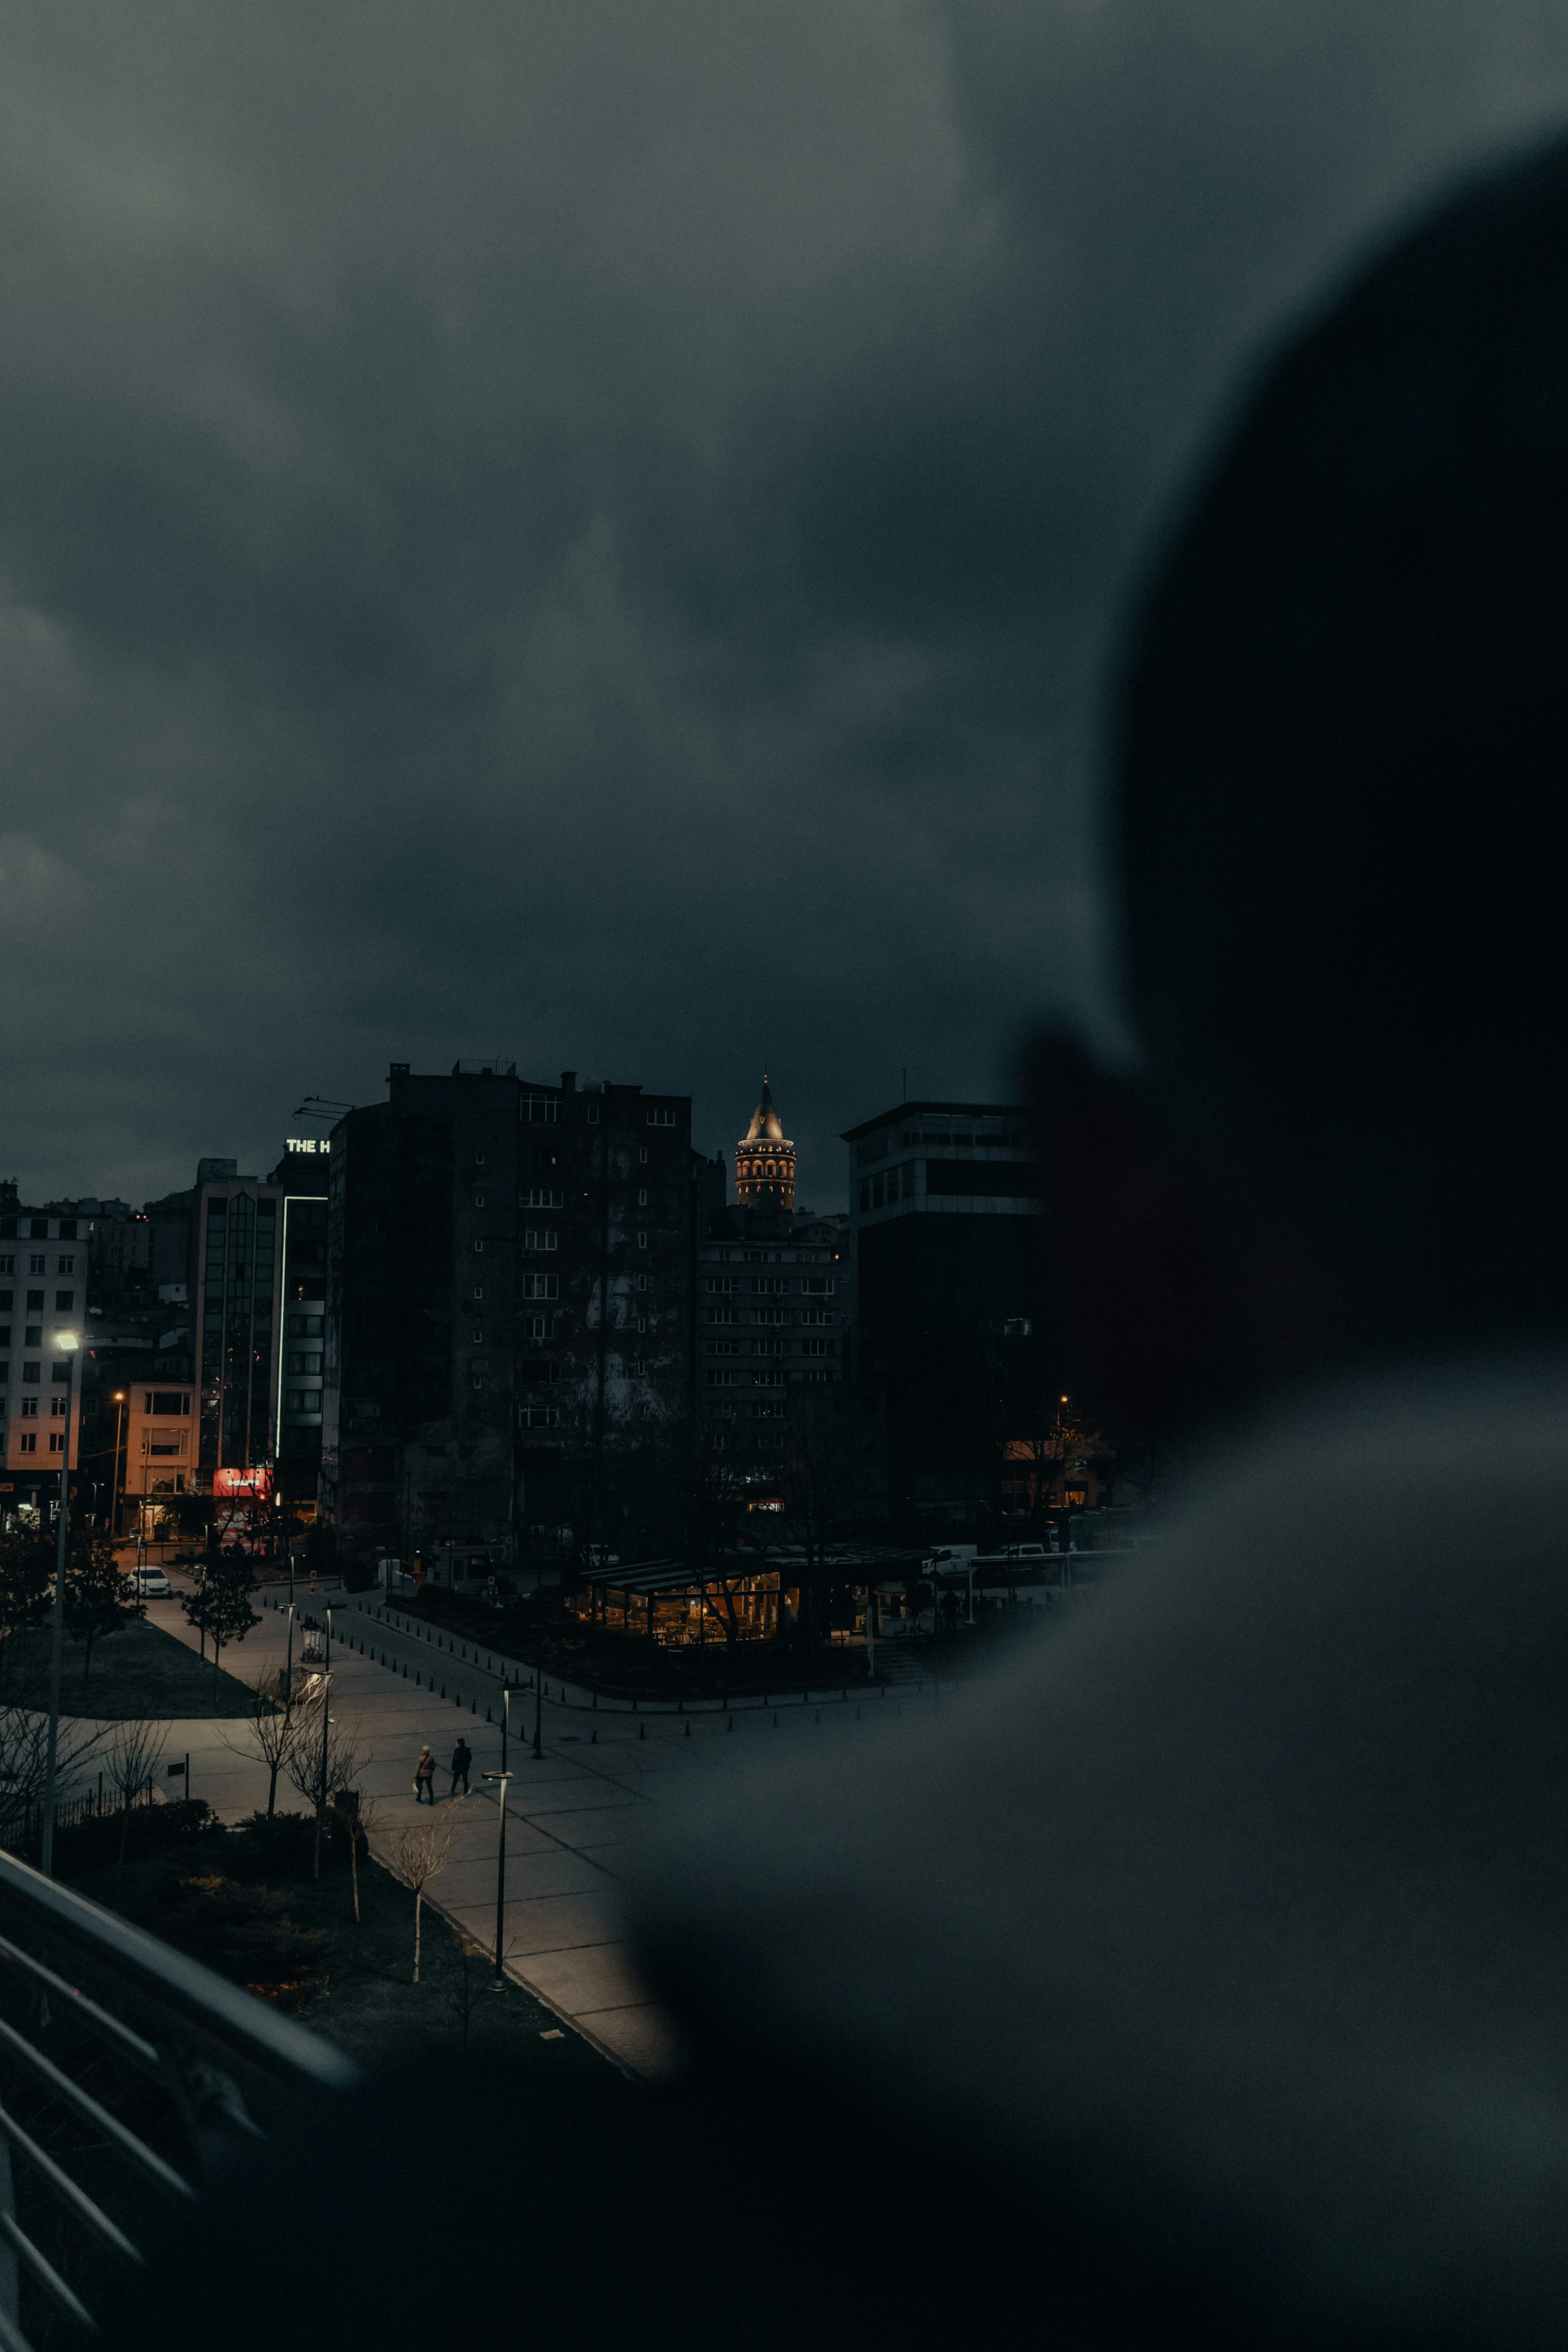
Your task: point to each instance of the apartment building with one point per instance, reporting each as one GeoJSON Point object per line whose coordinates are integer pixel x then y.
{"type": "Point", "coordinates": [509, 1286]}
{"type": "Point", "coordinates": [947, 1246]}
{"type": "Point", "coordinates": [43, 1291]}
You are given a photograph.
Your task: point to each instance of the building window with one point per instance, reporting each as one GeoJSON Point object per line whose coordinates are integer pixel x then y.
{"type": "Point", "coordinates": [39, 1230]}
{"type": "Point", "coordinates": [540, 1237]}
{"type": "Point", "coordinates": [817, 1286]}
{"type": "Point", "coordinates": [67, 1229]}
{"type": "Point", "coordinates": [536, 1327]}
{"type": "Point", "coordinates": [37, 1264]}
{"type": "Point", "coordinates": [7, 1265]}
{"type": "Point", "coordinates": [30, 1407]}
{"type": "Point", "coordinates": [542, 1197]}
{"type": "Point", "coordinates": [642, 1282]}
{"type": "Point", "coordinates": [723, 1315]}
{"type": "Point", "coordinates": [642, 1241]}
{"type": "Point", "coordinates": [769, 1286]}
{"type": "Point", "coordinates": [478, 1160]}
{"type": "Point", "coordinates": [479, 1200]}
{"type": "Point", "coordinates": [661, 1117]}
{"type": "Point", "coordinates": [35, 1302]}
{"type": "Point", "coordinates": [817, 1346]}
{"type": "Point", "coordinates": [479, 1290]}
{"type": "Point", "coordinates": [723, 1347]}
{"type": "Point", "coordinates": [540, 1416]}
{"type": "Point", "coordinates": [722, 1285]}
{"type": "Point", "coordinates": [642, 1155]}
{"type": "Point", "coordinates": [592, 1114]}
{"type": "Point", "coordinates": [814, 1315]}
{"type": "Point", "coordinates": [721, 1380]}
{"type": "Point", "coordinates": [478, 1249]}
{"type": "Point", "coordinates": [541, 1107]}
{"type": "Point", "coordinates": [306, 1360]}
{"type": "Point", "coordinates": [65, 1265]}
{"type": "Point", "coordinates": [642, 1198]}
{"type": "Point", "coordinates": [642, 1322]}
{"type": "Point", "coordinates": [28, 1443]}
{"type": "Point", "coordinates": [64, 1301]}
{"type": "Point", "coordinates": [57, 1408]}
{"type": "Point", "coordinates": [541, 1286]}
{"type": "Point", "coordinates": [478, 1335]}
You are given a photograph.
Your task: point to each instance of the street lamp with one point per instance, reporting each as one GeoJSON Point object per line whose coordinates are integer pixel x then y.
{"type": "Point", "coordinates": [502, 1778]}
{"type": "Point", "coordinates": [114, 1482]}
{"type": "Point", "coordinates": [69, 1346]}
{"type": "Point", "coordinates": [326, 1694]}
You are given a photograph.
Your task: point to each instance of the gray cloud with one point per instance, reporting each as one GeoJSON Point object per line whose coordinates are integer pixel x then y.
{"type": "Point", "coordinates": [597, 533]}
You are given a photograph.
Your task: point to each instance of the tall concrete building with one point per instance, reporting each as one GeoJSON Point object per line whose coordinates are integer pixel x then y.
{"type": "Point", "coordinates": [43, 1290]}
{"type": "Point", "coordinates": [947, 1246]}
{"type": "Point", "coordinates": [509, 1272]}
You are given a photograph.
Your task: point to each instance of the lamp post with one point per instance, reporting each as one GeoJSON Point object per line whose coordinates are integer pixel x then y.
{"type": "Point", "coordinates": [69, 1347]}
{"type": "Point", "coordinates": [326, 1719]}
{"type": "Point", "coordinates": [502, 1779]}
{"type": "Point", "coordinates": [114, 1482]}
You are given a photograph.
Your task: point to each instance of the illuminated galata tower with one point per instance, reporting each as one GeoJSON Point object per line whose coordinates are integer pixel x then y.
{"type": "Point", "coordinates": [765, 1160]}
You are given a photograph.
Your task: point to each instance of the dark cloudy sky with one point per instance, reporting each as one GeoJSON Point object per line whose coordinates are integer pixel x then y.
{"type": "Point", "coordinates": [593, 531]}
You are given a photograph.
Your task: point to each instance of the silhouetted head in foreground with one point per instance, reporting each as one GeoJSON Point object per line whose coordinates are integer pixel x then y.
{"type": "Point", "coordinates": [1342, 786]}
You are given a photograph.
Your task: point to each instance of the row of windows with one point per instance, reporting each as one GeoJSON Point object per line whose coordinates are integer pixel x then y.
{"type": "Point", "coordinates": [28, 1444]}
{"type": "Point", "coordinates": [66, 1229]}
{"type": "Point", "coordinates": [28, 1408]}
{"type": "Point", "coordinates": [38, 1263]}
{"type": "Point", "coordinates": [772, 1347]}
{"type": "Point", "coordinates": [768, 1286]}
{"type": "Point", "coordinates": [770, 1314]}
{"type": "Point", "coordinates": [33, 1372]}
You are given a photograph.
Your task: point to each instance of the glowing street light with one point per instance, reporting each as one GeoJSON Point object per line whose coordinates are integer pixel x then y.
{"type": "Point", "coordinates": [69, 1346]}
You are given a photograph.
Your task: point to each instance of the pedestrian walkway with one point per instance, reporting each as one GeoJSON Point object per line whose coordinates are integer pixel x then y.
{"type": "Point", "coordinates": [575, 1814]}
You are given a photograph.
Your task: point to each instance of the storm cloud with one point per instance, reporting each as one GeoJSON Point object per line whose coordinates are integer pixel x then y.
{"type": "Point", "coordinates": [598, 533]}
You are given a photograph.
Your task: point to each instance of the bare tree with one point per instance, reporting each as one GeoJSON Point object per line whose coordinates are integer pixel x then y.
{"type": "Point", "coordinates": [25, 1762]}
{"type": "Point", "coordinates": [270, 1731]}
{"type": "Point", "coordinates": [358, 1819]}
{"type": "Point", "coordinates": [421, 1855]}
{"type": "Point", "coordinates": [325, 1760]}
{"type": "Point", "coordinates": [129, 1763]}
{"type": "Point", "coordinates": [467, 1976]}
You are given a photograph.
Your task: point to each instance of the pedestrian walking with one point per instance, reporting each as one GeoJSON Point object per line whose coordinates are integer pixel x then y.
{"type": "Point", "coordinates": [462, 1757]}
{"type": "Point", "coordinates": [425, 1776]}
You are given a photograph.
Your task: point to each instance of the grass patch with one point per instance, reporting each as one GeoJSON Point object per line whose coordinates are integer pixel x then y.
{"type": "Point", "coordinates": [243, 1901]}
{"type": "Point", "coordinates": [137, 1673]}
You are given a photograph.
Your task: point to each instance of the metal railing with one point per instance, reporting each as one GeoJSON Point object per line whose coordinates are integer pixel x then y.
{"type": "Point", "coordinates": [187, 2064]}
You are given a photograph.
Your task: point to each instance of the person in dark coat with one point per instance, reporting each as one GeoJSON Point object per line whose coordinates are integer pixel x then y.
{"type": "Point", "coordinates": [462, 1758]}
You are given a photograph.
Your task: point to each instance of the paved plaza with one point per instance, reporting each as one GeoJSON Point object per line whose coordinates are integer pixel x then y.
{"type": "Point", "coordinates": [574, 1816]}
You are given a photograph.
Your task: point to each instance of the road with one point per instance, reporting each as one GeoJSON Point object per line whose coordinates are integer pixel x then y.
{"type": "Point", "coordinates": [574, 1816]}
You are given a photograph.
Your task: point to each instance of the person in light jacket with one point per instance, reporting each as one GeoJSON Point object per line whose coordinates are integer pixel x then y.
{"type": "Point", "coordinates": [425, 1776]}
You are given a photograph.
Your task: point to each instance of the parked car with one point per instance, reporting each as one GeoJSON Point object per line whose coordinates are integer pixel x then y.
{"type": "Point", "coordinates": [151, 1584]}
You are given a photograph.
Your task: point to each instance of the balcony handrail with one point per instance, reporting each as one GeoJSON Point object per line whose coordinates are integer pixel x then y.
{"type": "Point", "coordinates": [233, 2023]}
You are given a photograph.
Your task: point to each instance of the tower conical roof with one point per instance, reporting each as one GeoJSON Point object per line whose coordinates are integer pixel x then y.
{"type": "Point", "coordinates": [767, 1125]}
